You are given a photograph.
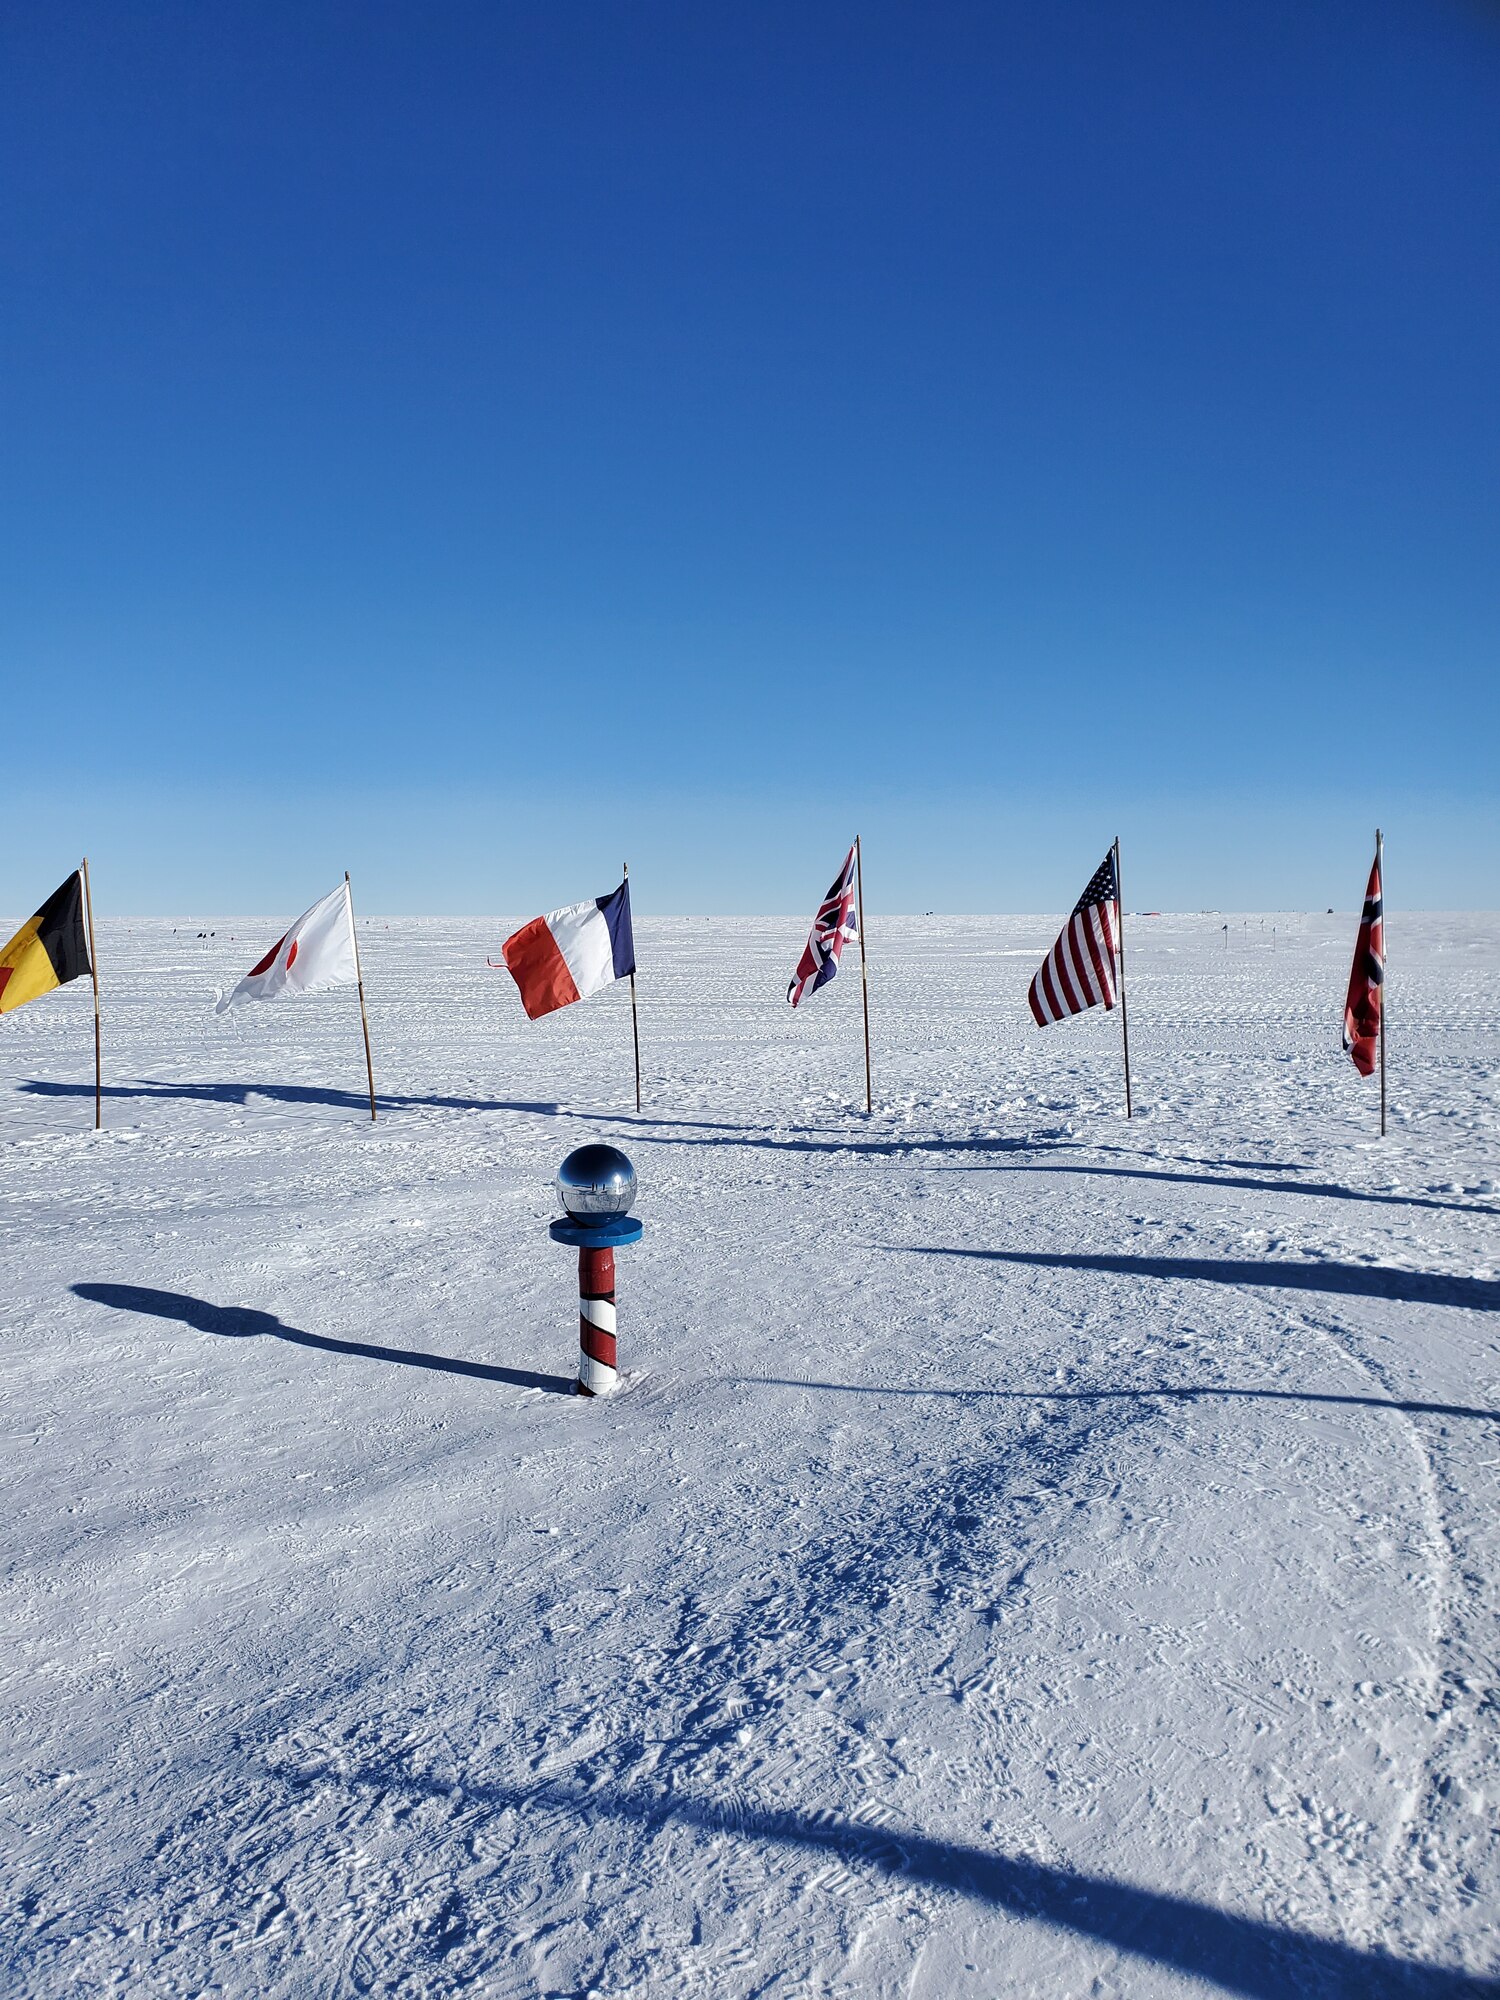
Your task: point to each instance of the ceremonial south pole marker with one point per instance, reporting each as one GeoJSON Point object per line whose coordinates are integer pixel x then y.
{"type": "Point", "coordinates": [597, 1185]}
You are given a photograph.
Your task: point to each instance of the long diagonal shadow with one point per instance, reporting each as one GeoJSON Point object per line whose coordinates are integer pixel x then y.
{"type": "Point", "coordinates": [660, 1129]}
{"type": "Point", "coordinates": [1368, 1281]}
{"type": "Point", "coordinates": [908, 1146]}
{"type": "Point", "coordinates": [1241, 1955]}
{"type": "Point", "coordinates": [1195, 1393]}
{"type": "Point", "coordinates": [239, 1322]}
{"type": "Point", "coordinates": [358, 1100]}
{"type": "Point", "coordinates": [781, 1142]}
{"type": "Point", "coordinates": [287, 1093]}
{"type": "Point", "coordinates": [1329, 1189]}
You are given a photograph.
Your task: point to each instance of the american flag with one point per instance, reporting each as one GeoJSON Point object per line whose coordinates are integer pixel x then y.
{"type": "Point", "coordinates": [833, 924]}
{"type": "Point", "coordinates": [1367, 980]}
{"type": "Point", "coordinates": [1079, 971]}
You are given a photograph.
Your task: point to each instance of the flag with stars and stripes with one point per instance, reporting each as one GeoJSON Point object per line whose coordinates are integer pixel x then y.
{"type": "Point", "coordinates": [832, 927]}
{"type": "Point", "coordinates": [1079, 971]}
{"type": "Point", "coordinates": [1366, 980]}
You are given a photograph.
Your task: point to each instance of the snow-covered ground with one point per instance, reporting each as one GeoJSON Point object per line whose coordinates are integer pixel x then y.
{"type": "Point", "coordinates": [1030, 1553]}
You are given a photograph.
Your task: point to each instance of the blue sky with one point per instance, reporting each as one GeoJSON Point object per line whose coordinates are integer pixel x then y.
{"type": "Point", "coordinates": [471, 443]}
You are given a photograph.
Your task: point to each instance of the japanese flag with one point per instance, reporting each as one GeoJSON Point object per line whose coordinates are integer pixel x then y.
{"type": "Point", "coordinates": [317, 951]}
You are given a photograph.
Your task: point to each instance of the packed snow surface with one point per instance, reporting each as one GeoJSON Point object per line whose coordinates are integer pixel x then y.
{"type": "Point", "coordinates": [1029, 1552]}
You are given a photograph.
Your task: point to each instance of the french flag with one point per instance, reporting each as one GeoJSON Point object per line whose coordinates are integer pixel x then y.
{"type": "Point", "coordinates": [571, 953]}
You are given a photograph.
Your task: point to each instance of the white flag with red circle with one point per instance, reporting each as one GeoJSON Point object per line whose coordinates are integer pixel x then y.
{"type": "Point", "coordinates": [317, 951]}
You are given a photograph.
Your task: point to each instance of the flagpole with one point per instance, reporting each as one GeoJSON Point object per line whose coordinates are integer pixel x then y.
{"type": "Point", "coordinates": [1124, 1014]}
{"type": "Point", "coordinates": [1385, 959]}
{"type": "Point", "coordinates": [88, 904]}
{"type": "Point", "coordinates": [635, 1025]}
{"type": "Point", "coordinates": [864, 966]}
{"type": "Point", "coordinates": [364, 1019]}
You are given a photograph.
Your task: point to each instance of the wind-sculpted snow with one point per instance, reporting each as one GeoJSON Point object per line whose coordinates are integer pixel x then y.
{"type": "Point", "coordinates": [1030, 1553]}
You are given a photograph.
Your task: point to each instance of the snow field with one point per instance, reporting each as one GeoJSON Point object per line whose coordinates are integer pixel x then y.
{"type": "Point", "coordinates": [1030, 1552]}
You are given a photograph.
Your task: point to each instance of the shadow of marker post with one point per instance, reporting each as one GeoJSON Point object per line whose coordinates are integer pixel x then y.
{"type": "Point", "coordinates": [244, 1322]}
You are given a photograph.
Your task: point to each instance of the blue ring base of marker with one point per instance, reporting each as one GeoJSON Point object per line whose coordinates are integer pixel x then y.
{"type": "Point", "coordinates": [608, 1233]}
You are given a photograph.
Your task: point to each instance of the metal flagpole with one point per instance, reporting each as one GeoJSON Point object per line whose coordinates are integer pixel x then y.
{"type": "Point", "coordinates": [1381, 875]}
{"type": "Point", "coordinates": [88, 904]}
{"type": "Point", "coordinates": [635, 1024]}
{"type": "Point", "coordinates": [1124, 1015]}
{"type": "Point", "coordinates": [864, 966]}
{"type": "Point", "coordinates": [364, 1019]}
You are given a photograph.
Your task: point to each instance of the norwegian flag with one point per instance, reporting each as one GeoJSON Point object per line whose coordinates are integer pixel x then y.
{"type": "Point", "coordinates": [832, 927]}
{"type": "Point", "coordinates": [1367, 980]}
{"type": "Point", "coordinates": [1079, 971]}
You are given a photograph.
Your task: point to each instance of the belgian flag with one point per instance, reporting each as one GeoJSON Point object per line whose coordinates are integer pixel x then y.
{"type": "Point", "coordinates": [47, 952]}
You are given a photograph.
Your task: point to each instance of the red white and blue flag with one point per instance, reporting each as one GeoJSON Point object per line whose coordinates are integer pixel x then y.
{"type": "Point", "coordinates": [569, 954]}
{"type": "Point", "coordinates": [833, 926]}
{"type": "Point", "coordinates": [1079, 971]}
{"type": "Point", "coordinates": [1367, 980]}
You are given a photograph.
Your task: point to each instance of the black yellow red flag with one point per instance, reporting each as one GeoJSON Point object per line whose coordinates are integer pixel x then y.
{"type": "Point", "coordinates": [48, 951]}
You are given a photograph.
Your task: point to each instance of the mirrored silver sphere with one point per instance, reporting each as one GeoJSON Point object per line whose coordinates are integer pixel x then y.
{"type": "Point", "coordinates": [596, 1181]}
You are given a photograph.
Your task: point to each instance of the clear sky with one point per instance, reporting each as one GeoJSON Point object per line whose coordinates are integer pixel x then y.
{"type": "Point", "coordinates": [471, 443]}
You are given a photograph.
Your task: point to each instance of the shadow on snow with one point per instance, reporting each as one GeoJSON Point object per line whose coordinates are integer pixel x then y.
{"type": "Point", "coordinates": [243, 1322]}
{"type": "Point", "coordinates": [788, 1142]}
{"type": "Point", "coordinates": [1370, 1281]}
{"type": "Point", "coordinates": [1198, 1392]}
{"type": "Point", "coordinates": [357, 1100]}
{"type": "Point", "coordinates": [286, 1093]}
{"type": "Point", "coordinates": [1240, 1954]}
{"type": "Point", "coordinates": [1330, 1189]}
{"type": "Point", "coordinates": [659, 1129]}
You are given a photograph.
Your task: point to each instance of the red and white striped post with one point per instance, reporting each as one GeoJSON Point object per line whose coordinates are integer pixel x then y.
{"type": "Point", "coordinates": [597, 1360]}
{"type": "Point", "coordinates": [597, 1185]}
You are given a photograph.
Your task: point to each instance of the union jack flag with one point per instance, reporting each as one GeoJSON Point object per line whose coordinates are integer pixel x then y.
{"type": "Point", "coordinates": [1367, 980]}
{"type": "Point", "coordinates": [832, 926]}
